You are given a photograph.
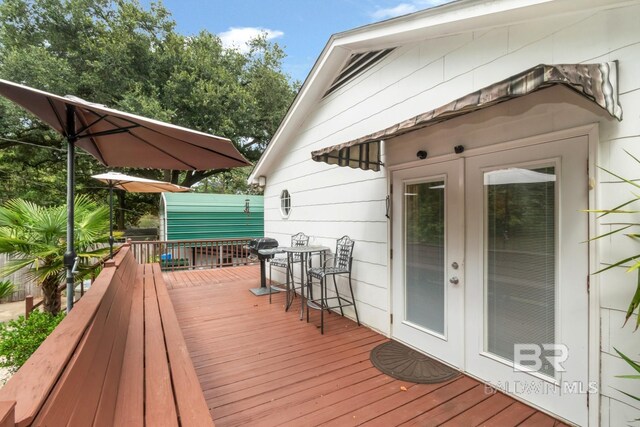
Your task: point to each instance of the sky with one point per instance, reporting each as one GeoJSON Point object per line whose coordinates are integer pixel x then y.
{"type": "Point", "coordinates": [301, 27]}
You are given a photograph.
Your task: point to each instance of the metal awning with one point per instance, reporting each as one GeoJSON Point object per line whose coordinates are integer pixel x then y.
{"type": "Point", "coordinates": [596, 82]}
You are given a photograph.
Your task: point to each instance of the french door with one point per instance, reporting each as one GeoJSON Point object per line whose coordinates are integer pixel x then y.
{"type": "Point", "coordinates": [527, 267]}
{"type": "Point", "coordinates": [490, 269]}
{"type": "Point", "coordinates": [428, 225]}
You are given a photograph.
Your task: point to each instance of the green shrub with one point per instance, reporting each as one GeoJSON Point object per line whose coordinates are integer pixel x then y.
{"type": "Point", "coordinates": [148, 221]}
{"type": "Point", "coordinates": [20, 338]}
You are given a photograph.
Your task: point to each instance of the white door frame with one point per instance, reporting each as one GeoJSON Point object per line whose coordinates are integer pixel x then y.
{"type": "Point", "coordinates": [591, 131]}
{"type": "Point", "coordinates": [448, 346]}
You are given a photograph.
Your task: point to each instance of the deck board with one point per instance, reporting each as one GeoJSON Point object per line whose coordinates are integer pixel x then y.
{"type": "Point", "coordinates": [259, 365]}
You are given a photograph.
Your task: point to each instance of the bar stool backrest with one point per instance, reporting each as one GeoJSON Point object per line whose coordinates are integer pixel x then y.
{"type": "Point", "coordinates": [299, 239]}
{"type": "Point", "coordinates": [344, 252]}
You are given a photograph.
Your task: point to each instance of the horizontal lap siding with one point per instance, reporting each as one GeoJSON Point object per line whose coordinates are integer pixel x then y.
{"type": "Point", "coordinates": [327, 205]}
{"type": "Point", "coordinates": [620, 40]}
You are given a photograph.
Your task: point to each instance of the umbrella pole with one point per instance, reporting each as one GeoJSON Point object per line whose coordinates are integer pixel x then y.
{"type": "Point", "coordinates": [111, 222]}
{"type": "Point", "coordinates": [70, 255]}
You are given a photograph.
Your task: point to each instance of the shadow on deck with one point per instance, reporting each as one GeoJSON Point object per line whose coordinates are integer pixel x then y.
{"type": "Point", "coordinates": [259, 365]}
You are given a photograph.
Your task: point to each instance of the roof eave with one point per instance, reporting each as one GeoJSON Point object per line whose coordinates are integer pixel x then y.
{"type": "Point", "coordinates": [456, 17]}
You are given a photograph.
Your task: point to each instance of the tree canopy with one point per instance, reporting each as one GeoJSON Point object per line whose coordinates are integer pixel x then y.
{"type": "Point", "coordinates": [118, 53]}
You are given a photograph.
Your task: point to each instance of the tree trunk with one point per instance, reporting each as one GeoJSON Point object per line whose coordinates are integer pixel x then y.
{"type": "Point", "coordinates": [175, 176]}
{"type": "Point", "coordinates": [197, 176]}
{"type": "Point", "coordinates": [51, 296]}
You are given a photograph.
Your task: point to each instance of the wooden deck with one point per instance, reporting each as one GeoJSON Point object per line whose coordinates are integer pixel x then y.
{"type": "Point", "coordinates": [258, 365]}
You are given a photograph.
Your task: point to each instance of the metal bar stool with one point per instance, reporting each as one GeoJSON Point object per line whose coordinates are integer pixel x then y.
{"type": "Point", "coordinates": [299, 239]}
{"type": "Point", "coordinates": [340, 264]}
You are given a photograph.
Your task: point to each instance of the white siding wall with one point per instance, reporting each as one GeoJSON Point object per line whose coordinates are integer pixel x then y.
{"type": "Point", "coordinates": [329, 202]}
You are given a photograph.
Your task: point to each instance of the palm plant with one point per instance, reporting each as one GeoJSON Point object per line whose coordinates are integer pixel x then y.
{"type": "Point", "coordinates": [6, 288]}
{"type": "Point", "coordinates": [632, 262]}
{"type": "Point", "coordinates": [35, 238]}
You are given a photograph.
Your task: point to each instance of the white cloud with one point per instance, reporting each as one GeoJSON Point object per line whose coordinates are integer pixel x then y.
{"type": "Point", "coordinates": [405, 8]}
{"type": "Point", "coordinates": [239, 37]}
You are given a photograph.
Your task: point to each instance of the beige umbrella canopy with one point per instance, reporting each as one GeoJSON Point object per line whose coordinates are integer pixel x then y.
{"type": "Point", "coordinates": [132, 184]}
{"type": "Point", "coordinates": [140, 142]}
{"type": "Point", "coordinates": [117, 138]}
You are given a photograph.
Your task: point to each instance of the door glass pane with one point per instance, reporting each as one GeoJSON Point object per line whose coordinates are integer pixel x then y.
{"type": "Point", "coordinates": [425, 257]}
{"type": "Point", "coordinates": [521, 245]}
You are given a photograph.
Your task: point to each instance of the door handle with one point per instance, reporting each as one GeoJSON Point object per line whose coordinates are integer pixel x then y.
{"type": "Point", "coordinates": [454, 280]}
{"type": "Point", "coordinates": [388, 207]}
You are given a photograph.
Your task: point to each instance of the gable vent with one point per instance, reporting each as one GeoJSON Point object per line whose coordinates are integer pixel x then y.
{"type": "Point", "coordinates": [356, 65]}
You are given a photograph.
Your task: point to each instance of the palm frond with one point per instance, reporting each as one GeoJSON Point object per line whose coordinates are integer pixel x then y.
{"type": "Point", "coordinates": [629, 395]}
{"type": "Point", "coordinates": [46, 272]}
{"type": "Point", "coordinates": [618, 264]}
{"type": "Point", "coordinates": [9, 218]}
{"type": "Point", "coordinates": [608, 234]}
{"type": "Point", "coordinates": [15, 265]}
{"type": "Point", "coordinates": [16, 246]}
{"type": "Point", "coordinates": [6, 288]}
{"type": "Point", "coordinates": [628, 181]}
{"type": "Point", "coordinates": [635, 302]}
{"type": "Point", "coordinates": [630, 362]}
{"type": "Point", "coordinates": [605, 212]}
{"type": "Point", "coordinates": [632, 156]}
{"type": "Point", "coordinates": [92, 225]}
{"type": "Point", "coordinates": [94, 254]}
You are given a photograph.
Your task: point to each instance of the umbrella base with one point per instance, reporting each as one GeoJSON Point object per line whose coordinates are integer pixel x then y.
{"type": "Point", "coordinates": [263, 291]}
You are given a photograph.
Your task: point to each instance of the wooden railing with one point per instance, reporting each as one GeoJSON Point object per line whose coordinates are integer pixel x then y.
{"type": "Point", "coordinates": [29, 304]}
{"type": "Point", "coordinates": [117, 359]}
{"type": "Point", "coordinates": [193, 254]}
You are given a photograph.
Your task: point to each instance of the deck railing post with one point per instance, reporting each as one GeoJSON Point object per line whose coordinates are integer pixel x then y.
{"type": "Point", "coordinates": [28, 306]}
{"type": "Point", "coordinates": [8, 414]}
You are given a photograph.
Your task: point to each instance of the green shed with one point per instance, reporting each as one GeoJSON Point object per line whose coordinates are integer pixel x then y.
{"type": "Point", "coordinates": [199, 216]}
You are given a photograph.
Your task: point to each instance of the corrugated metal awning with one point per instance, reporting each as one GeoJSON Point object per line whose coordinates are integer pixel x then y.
{"type": "Point", "coordinates": [596, 82]}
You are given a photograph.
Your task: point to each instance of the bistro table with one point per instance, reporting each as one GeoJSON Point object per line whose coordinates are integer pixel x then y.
{"type": "Point", "coordinates": [304, 252]}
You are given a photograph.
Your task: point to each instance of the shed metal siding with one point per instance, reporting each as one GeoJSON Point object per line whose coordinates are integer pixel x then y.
{"type": "Point", "coordinates": [192, 216]}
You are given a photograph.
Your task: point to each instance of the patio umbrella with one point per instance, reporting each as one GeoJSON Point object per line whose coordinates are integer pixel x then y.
{"type": "Point", "coordinates": [132, 184]}
{"type": "Point", "coordinates": [117, 138]}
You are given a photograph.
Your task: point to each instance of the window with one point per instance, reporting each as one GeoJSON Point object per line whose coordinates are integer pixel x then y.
{"type": "Point", "coordinates": [285, 203]}
{"type": "Point", "coordinates": [521, 235]}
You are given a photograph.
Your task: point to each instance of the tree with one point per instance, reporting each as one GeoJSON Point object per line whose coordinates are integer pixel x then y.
{"type": "Point", "coordinates": [119, 54]}
{"type": "Point", "coordinates": [35, 237]}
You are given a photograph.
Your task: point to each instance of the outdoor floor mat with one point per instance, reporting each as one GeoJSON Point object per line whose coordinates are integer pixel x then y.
{"type": "Point", "coordinates": [403, 363]}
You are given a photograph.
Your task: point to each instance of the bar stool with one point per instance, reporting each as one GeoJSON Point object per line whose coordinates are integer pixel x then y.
{"type": "Point", "coordinates": [299, 239]}
{"type": "Point", "coordinates": [340, 264]}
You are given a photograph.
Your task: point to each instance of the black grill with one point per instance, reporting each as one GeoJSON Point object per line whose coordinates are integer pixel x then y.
{"type": "Point", "coordinates": [259, 247]}
{"type": "Point", "coordinates": [264, 248]}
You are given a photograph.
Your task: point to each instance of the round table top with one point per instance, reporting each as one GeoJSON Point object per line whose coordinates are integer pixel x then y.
{"type": "Point", "coordinates": [305, 249]}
